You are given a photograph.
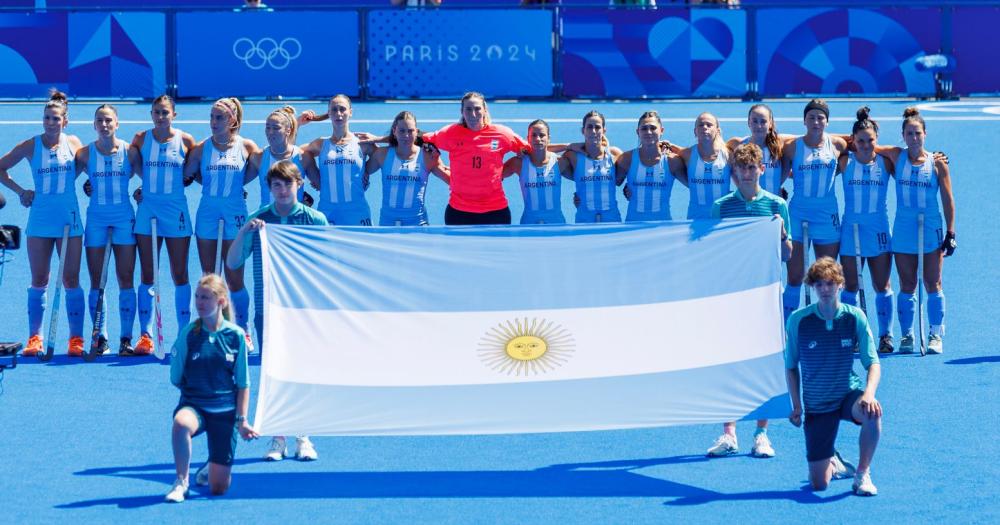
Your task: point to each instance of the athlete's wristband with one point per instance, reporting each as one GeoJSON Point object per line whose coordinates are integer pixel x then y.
{"type": "Point", "coordinates": [240, 419]}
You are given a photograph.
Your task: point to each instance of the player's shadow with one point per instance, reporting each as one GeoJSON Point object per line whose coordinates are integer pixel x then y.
{"type": "Point", "coordinates": [612, 479]}
{"type": "Point", "coordinates": [974, 360]}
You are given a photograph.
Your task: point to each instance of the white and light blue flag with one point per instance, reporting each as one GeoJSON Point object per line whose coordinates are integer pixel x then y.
{"type": "Point", "coordinates": [438, 330]}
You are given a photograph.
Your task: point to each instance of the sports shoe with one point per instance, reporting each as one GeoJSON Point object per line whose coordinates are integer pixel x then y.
{"type": "Point", "coordinates": [842, 469]}
{"type": "Point", "coordinates": [935, 345]}
{"type": "Point", "coordinates": [276, 451]}
{"type": "Point", "coordinates": [885, 344]}
{"type": "Point", "coordinates": [304, 450]}
{"type": "Point", "coordinates": [102, 345]}
{"type": "Point", "coordinates": [863, 485]}
{"type": "Point", "coordinates": [761, 446]}
{"type": "Point", "coordinates": [125, 348]}
{"type": "Point", "coordinates": [34, 347]}
{"type": "Point", "coordinates": [75, 346]}
{"type": "Point", "coordinates": [145, 345]}
{"type": "Point", "coordinates": [906, 344]}
{"type": "Point", "coordinates": [201, 477]}
{"type": "Point", "coordinates": [178, 492]}
{"type": "Point", "coordinates": [724, 446]}
{"type": "Point", "coordinates": [250, 348]}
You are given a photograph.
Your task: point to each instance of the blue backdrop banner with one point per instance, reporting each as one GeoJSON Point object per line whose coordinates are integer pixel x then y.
{"type": "Point", "coordinates": [30, 68]}
{"type": "Point", "coordinates": [117, 54]}
{"type": "Point", "coordinates": [976, 52]}
{"type": "Point", "coordinates": [842, 51]}
{"type": "Point", "coordinates": [667, 52]}
{"type": "Point", "coordinates": [267, 54]}
{"type": "Point", "coordinates": [440, 53]}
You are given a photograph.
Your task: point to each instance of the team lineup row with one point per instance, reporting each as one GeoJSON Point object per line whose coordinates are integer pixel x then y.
{"type": "Point", "coordinates": [481, 154]}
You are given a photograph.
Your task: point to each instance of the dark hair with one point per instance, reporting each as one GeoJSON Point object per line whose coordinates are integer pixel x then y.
{"type": "Point", "coordinates": [57, 99]}
{"type": "Point", "coordinates": [912, 115]}
{"type": "Point", "coordinates": [108, 107]}
{"type": "Point", "coordinates": [538, 121]}
{"type": "Point", "coordinates": [864, 122]}
{"type": "Point", "coordinates": [651, 114]}
{"type": "Point", "coordinates": [595, 113]}
{"type": "Point", "coordinates": [819, 104]}
{"type": "Point", "coordinates": [771, 140]}
{"type": "Point", "coordinates": [166, 99]}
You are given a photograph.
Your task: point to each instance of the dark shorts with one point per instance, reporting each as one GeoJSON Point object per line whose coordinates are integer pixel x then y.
{"type": "Point", "coordinates": [821, 429]}
{"type": "Point", "coordinates": [220, 428]}
{"type": "Point", "coordinates": [453, 217]}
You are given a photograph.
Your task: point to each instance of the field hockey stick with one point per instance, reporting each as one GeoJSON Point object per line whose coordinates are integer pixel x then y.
{"type": "Point", "coordinates": [860, 261]}
{"type": "Point", "coordinates": [95, 334]}
{"type": "Point", "coordinates": [157, 316]}
{"type": "Point", "coordinates": [920, 282]}
{"type": "Point", "coordinates": [805, 257]}
{"type": "Point", "coordinates": [218, 248]}
{"type": "Point", "coordinates": [50, 343]}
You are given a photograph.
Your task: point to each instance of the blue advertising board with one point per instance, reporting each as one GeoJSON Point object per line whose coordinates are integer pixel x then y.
{"type": "Point", "coordinates": [976, 50]}
{"type": "Point", "coordinates": [29, 69]}
{"type": "Point", "coordinates": [437, 53]}
{"type": "Point", "coordinates": [255, 53]}
{"type": "Point", "coordinates": [846, 51]}
{"type": "Point", "coordinates": [117, 54]}
{"type": "Point", "coordinates": [667, 52]}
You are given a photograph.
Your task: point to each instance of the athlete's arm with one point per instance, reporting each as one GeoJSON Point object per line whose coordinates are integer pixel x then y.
{"type": "Point", "coordinates": [192, 166]}
{"type": "Point", "coordinates": [375, 160]}
{"type": "Point", "coordinates": [251, 150]}
{"type": "Point", "coordinates": [512, 166]}
{"type": "Point", "coordinates": [253, 167]}
{"type": "Point", "coordinates": [792, 379]}
{"type": "Point", "coordinates": [80, 159]}
{"type": "Point", "coordinates": [678, 166]}
{"type": "Point", "coordinates": [842, 163]}
{"type": "Point", "coordinates": [622, 165]}
{"type": "Point", "coordinates": [567, 164]}
{"type": "Point", "coordinates": [135, 159]}
{"type": "Point", "coordinates": [947, 198]}
{"type": "Point", "coordinates": [22, 151]}
{"type": "Point", "coordinates": [791, 357]}
{"type": "Point", "coordinates": [787, 154]}
{"type": "Point", "coordinates": [309, 154]}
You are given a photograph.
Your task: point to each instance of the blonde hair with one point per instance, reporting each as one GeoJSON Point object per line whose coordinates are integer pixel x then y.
{"type": "Point", "coordinates": [825, 269]}
{"type": "Point", "coordinates": [217, 285]}
{"type": "Point", "coordinates": [232, 106]}
{"type": "Point", "coordinates": [748, 154]}
{"type": "Point", "coordinates": [486, 109]}
{"type": "Point", "coordinates": [719, 143]}
{"type": "Point", "coordinates": [288, 114]}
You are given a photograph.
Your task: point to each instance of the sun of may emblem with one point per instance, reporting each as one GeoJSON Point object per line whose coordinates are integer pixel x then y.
{"type": "Point", "coordinates": [525, 347]}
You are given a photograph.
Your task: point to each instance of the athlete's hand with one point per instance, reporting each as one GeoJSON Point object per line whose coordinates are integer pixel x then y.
{"type": "Point", "coordinates": [778, 216]}
{"type": "Point", "coordinates": [578, 147]}
{"type": "Point", "coordinates": [307, 199]}
{"type": "Point", "coordinates": [306, 117]}
{"type": "Point", "coordinates": [796, 416]}
{"type": "Point", "coordinates": [27, 197]}
{"type": "Point", "coordinates": [189, 180]}
{"type": "Point", "coordinates": [88, 188]}
{"type": "Point", "coordinates": [627, 192]}
{"type": "Point", "coordinates": [247, 432]}
{"type": "Point", "coordinates": [137, 195]}
{"type": "Point", "coordinates": [364, 136]}
{"type": "Point", "coordinates": [252, 226]}
{"type": "Point", "coordinates": [869, 405]}
{"type": "Point", "coordinates": [576, 200]}
{"type": "Point", "coordinates": [669, 148]}
{"type": "Point", "coordinates": [431, 148]}
{"type": "Point", "coordinates": [949, 244]}
{"type": "Point", "coordinates": [942, 156]}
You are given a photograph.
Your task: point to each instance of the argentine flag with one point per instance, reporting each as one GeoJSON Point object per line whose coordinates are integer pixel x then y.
{"type": "Point", "coordinates": [484, 330]}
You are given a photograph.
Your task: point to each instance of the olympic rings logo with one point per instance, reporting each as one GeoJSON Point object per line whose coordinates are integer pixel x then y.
{"type": "Point", "coordinates": [267, 52]}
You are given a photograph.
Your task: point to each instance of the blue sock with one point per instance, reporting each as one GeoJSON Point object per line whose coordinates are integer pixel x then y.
{"type": "Point", "coordinates": [883, 308]}
{"type": "Point", "coordinates": [935, 308]}
{"type": "Point", "coordinates": [36, 310]}
{"type": "Point", "coordinates": [790, 298]}
{"type": "Point", "coordinates": [182, 303]}
{"type": "Point", "coordinates": [906, 306]}
{"type": "Point", "coordinates": [126, 306]}
{"type": "Point", "coordinates": [75, 305]}
{"type": "Point", "coordinates": [850, 298]}
{"type": "Point", "coordinates": [92, 307]}
{"type": "Point", "coordinates": [145, 301]}
{"type": "Point", "coordinates": [241, 303]}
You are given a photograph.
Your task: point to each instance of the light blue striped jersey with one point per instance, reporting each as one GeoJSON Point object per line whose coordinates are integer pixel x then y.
{"type": "Point", "coordinates": [541, 186]}
{"type": "Point", "coordinates": [865, 186]}
{"type": "Point", "coordinates": [916, 186]}
{"type": "Point", "coordinates": [222, 171]}
{"type": "Point", "coordinates": [770, 180]}
{"type": "Point", "coordinates": [824, 351]}
{"type": "Point", "coordinates": [814, 171]}
{"type": "Point", "coordinates": [404, 182]}
{"type": "Point", "coordinates": [163, 165]}
{"type": "Point", "coordinates": [595, 182]}
{"type": "Point", "coordinates": [651, 187]}
{"type": "Point", "coordinates": [341, 169]}
{"type": "Point", "coordinates": [53, 171]}
{"type": "Point", "coordinates": [266, 161]}
{"type": "Point", "coordinates": [109, 177]}
{"type": "Point", "coordinates": [707, 182]}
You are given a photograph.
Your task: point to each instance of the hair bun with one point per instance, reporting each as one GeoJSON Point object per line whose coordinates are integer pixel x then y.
{"type": "Point", "coordinates": [863, 112]}
{"type": "Point", "coordinates": [57, 96]}
{"type": "Point", "coordinates": [911, 111]}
